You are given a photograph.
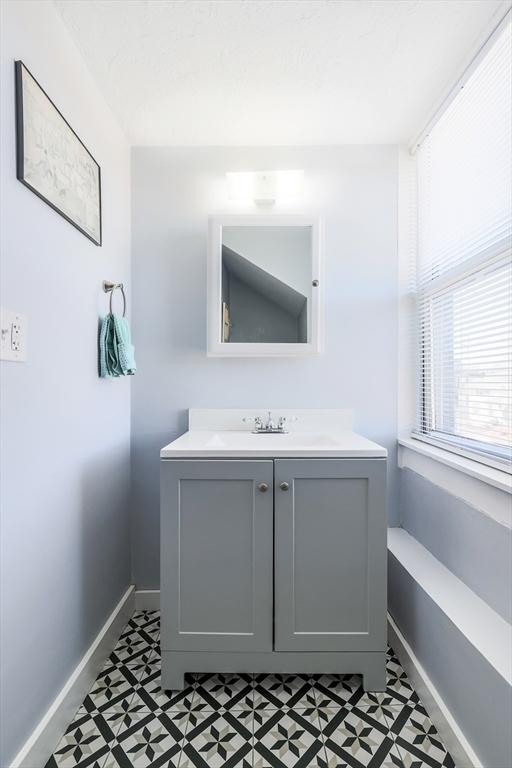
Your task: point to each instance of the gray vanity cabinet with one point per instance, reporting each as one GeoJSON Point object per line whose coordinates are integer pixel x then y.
{"type": "Point", "coordinates": [216, 555]}
{"type": "Point", "coordinates": [330, 555]}
{"type": "Point", "coordinates": [273, 565]}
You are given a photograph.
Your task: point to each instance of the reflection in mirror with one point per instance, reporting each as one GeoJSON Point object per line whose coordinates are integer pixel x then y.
{"type": "Point", "coordinates": [266, 284]}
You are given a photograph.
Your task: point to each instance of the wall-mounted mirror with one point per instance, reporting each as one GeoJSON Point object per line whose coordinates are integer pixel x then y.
{"type": "Point", "coordinates": [264, 286]}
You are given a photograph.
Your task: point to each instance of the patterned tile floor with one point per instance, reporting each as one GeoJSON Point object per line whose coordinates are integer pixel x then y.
{"type": "Point", "coordinates": [243, 721]}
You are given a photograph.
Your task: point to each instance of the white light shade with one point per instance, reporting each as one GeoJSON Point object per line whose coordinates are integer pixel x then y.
{"type": "Point", "coordinates": [265, 186]}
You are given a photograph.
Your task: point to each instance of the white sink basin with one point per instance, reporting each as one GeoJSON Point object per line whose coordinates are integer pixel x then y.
{"type": "Point", "coordinates": [250, 441]}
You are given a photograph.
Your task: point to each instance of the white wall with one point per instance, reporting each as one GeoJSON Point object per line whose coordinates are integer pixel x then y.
{"type": "Point", "coordinates": [173, 192]}
{"type": "Point", "coordinates": [65, 433]}
{"type": "Point", "coordinates": [282, 252]}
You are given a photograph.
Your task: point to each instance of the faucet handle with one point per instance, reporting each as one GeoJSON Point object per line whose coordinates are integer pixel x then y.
{"type": "Point", "coordinates": [256, 420]}
{"type": "Point", "coordinates": [282, 419]}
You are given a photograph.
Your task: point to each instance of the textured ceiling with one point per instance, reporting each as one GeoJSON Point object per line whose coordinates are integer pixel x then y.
{"type": "Point", "coordinates": [274, 71]}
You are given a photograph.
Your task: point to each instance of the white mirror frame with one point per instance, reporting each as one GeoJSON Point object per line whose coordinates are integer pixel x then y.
{"type": "Point", "coordinates": [218, 348]}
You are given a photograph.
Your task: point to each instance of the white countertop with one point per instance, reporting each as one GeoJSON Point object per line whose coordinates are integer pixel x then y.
{"type": "Point", "coordinates": [195, 444]}
{"type": "Point", "coordinates": [324, 434]}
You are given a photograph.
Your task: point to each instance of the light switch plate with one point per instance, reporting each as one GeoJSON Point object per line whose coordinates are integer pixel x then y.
{"type": "Point", "coordinates": [13, 336]}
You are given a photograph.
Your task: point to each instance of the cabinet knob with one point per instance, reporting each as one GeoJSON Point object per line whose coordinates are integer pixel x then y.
{"type": "Point", "coordinates": [284, 486]}
{"type": "Point", "coordinates": [263, 487]}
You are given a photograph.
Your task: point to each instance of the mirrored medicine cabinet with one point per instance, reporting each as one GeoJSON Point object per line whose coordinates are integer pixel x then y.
{"type": "Point", "coordinates": [265, 286]}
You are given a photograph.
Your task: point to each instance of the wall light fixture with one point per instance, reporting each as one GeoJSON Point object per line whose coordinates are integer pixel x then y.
{"type": "Point", "coordinates": [265, 187]}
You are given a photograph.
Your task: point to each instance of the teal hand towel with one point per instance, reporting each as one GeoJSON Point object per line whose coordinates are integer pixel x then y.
{"type": "Point", "coordinates": [116, 351]}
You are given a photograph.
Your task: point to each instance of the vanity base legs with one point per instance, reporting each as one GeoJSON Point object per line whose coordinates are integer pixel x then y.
{"type": "Point", "coordinates": [172, 679]}
{"type": "Point", "coordinates": [370, 664]}
{"type": "Point", "coordinates": [374, 677]}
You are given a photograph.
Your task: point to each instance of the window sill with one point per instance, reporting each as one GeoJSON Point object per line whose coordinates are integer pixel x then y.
{"type": "Point", "coordinates": [495, 477]}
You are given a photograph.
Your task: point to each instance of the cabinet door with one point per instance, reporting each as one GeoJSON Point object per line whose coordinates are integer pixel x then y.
{"type": "Point", "coordinates": [330, 555]}
{"type": "Point", "coordinates": [216, 555]}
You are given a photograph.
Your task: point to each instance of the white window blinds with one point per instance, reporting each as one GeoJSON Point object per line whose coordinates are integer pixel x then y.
{"type": "Point", "coordinates": [464, 264]}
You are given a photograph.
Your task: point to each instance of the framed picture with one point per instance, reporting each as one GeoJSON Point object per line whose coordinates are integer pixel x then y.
{"type": "Point", "coordinates": [52, 161]}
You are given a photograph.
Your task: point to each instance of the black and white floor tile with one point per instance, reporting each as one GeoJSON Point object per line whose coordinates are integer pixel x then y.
{"type": "Point", "coordinates": [243, 721]}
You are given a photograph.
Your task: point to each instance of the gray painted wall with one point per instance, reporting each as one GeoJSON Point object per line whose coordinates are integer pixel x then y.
{"type": "Point", "coordinates": [302, 331]}
{"type": "Point", "coordinates": [173, 192]}
{"type": "Point", "coordinates": [472, 545]}
{"type": "Point", "coordinates": [255, 318]}
{"type": "Point", "coordinates": [476, 695]}
{"type": "Point", "coordinates": [65, 475]}
{"type": "Point", "coordinates": [478, 550]}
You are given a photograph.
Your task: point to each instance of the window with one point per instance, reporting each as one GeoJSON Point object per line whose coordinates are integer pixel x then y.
{"type": "Point", "coordinates": [464, 271]}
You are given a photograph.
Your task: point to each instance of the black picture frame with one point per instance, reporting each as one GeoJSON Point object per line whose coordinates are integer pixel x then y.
{"type": "Point", "coordinates": [19, 71]}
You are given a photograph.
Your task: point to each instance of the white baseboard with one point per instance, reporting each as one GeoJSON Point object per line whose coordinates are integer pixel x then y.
{"type": "Point", "coordinates": [147, 600]}
{"type": "Point", "coordinates": [453, 737]}
{"type": "Point", "coordinates": [39, 747]}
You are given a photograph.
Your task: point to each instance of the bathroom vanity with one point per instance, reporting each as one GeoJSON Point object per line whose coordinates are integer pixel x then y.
{"type": "Point", "coordinates": [273, 548]}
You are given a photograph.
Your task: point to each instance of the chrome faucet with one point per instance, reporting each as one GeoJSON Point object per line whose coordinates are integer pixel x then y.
{"type": "Point", "coordinates": [269, 427]}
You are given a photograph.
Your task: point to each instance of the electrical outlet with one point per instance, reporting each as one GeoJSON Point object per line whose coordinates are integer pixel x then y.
{"type": "Point", "coordinates": [13, 336]}
{"type": "Point", "coordinates": [16, 336]}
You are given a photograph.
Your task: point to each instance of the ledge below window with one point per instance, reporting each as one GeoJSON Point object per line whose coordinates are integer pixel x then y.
{"type": "Point", "coordinates": [486, 488]}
